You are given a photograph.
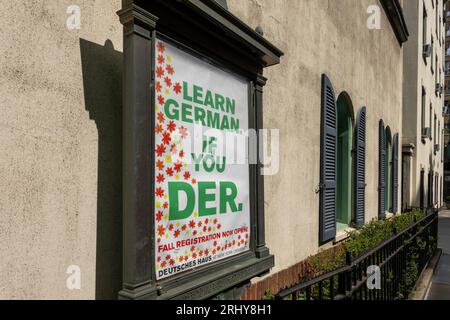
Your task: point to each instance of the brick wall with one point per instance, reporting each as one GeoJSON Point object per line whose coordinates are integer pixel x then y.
{"type": "Point", "coordinates": [276, 282]}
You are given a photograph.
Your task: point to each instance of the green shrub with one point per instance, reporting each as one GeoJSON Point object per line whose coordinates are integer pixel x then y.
{"type": "Point", "coordinates": [360, 242]}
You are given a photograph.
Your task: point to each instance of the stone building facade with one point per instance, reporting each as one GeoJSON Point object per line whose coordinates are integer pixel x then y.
{"type": "Point", "coordinates": [61, 140]}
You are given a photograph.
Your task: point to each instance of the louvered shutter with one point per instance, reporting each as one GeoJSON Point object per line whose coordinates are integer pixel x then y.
{"type": "Point", "coordinates": [395, 174]}
{"type": "Point", "coordinates": [328, 162]}
{"type": "Point", "coordinates": [382, 171]}
{"type": "Point", "coordinates": [360, 166]}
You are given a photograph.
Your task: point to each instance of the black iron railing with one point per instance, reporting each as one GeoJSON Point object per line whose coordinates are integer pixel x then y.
{"type": "Point", "coordinates": [400, 260]}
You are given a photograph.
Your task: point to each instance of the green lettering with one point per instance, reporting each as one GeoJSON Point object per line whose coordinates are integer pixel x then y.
{"type": "Point", "coordinates": [209, 100]}
{"type": "Point", "coordinates": [198, 94]}
{"type": "Point", "coordinates": [231, 106]}
{"type": "Point", "coordinates": [186, 113]}
{"type": "Point", "coordinates": [186, 92]}
{"type": "Point", "coordinates": [174, 210]}
{"type": "Point", "coordinates": [200, 115]}
{"type": "Point", "coordinates": [229, 199]}
{"type": "Point", "coordinates": [213, 120]}
{"type": "Point", "coordinates": [234, 124]}
{"type": "Point", "coordinates": [171, 113]}
{"type": "Point", "coordinates": [197, 161]}
{"type": "Point", "coordinates": [204, 198]}
{"type": "Point", "coordinates": [220, 101]}
{"type": "Point", "coordinates": [225, 123]}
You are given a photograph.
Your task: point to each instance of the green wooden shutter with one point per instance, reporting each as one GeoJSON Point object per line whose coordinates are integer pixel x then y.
{"type": "Point", "coordinates": [360, 166]}
{"type": "Point", "coordinates": [328, 162]}
{"type": "Point", "coordinates": [395, 174]}
{"type": "Point", "coordinates": [382, 171]}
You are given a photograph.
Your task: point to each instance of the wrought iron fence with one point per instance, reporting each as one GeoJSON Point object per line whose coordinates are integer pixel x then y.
{"type": "Point", "coordinates": [401, 259]}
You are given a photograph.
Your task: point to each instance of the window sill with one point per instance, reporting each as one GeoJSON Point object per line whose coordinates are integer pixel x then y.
{"type": "Point", "coordinates": [343, 234]}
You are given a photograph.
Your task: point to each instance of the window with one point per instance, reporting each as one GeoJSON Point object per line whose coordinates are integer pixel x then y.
{"type": "Point", "coordinates": [345, 183]}
{"type": "Point", "coordinates": [389, 176]}
{"type": "Point", "coordinates": [424, 95]}
{"type": "Point", "coordinates": [434, 134]}
{"type": "Point", "coordinates": [432, 50]}
{"type": "Point", "coordinates": [431, 117]}
{"type": "Point", "coordinates": [424, 27]}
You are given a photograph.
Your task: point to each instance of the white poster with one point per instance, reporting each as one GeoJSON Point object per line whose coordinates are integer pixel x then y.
{"type": "Point", "coordinates": [202, 205]}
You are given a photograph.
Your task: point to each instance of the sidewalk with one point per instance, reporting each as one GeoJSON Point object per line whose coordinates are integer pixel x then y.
{"type": "Point", "coordinates": [440, 284]}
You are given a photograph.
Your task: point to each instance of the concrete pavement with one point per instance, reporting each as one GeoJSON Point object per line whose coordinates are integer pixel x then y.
{"type": "Point", "coordinates": [440, 284]}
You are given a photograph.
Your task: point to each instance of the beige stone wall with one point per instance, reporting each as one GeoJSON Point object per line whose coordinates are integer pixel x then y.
{"type": "Point", "coordinates": [60, 192]}
{"type": "Point", "coordinates": [59, 189]}
{"type": "Point", "coordinates": [418, 74]}
{"type": "Point", "coordinates": [320, 37]}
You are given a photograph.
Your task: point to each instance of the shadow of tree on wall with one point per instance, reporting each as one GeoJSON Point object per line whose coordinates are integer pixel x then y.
{"type": "Point", "coordinates": [102, 80]}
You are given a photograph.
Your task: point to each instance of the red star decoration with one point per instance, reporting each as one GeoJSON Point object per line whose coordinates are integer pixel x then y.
{"type": "Point", "coordinates": [172, 262]}
{"type": "Point", "coordinates": [158, 86]}
{"type": "Point", "coordinates": [159, 72]}
{"type": "Point", "coordinates": [192, 249]}
{"type": "Point", "coordinates": [194, 232]}
{"type": "Point", "coordinates": [159, 192]}
{"type": "Point", "coordinates": [200, 254]}
{"type": "Point", "coordinates": [161, 99]}
{"type": "Point", "coordinates": [166, 138]}
{"type": "Point", "coordinates": [161, 231]}
{"type": "Point", "coordinates": [161, 59]}
{"type": "Point", "coordinates": [215, 221]}
{"type": "Point", "coordinates": [178, 166]}
{"type": "Point", "coordinates": [169, 69]}
{"type": "Point", "coordinates": [168, 257]}
{"type": "Point", "coordinates": [219, 226]}
{"type": "Point", "coordinates": [176, 233]}
{"type": "Point", "coordinates": [183, 132]}
{"type": "Point", "coordinates": [181, 259]}
{"type": "Point", "coordinates": [194, 181]}
{"type": "Point", "coordinates": [161, 47]}
{"type": "Point", "coordinates": [159, 216]}
{"type": "Point", "coordinates": [199, 224]}
{"type": "Point", "coordinates": [159, 128]}
{"type": "Point", "coordinates": [160, 165]}
{"type": "Point", "coordinates": [158, 260]}
{"type": "Point", "coordinates": [194, 255]}
{"type": "Point", "coordinates": [205, 228]}
{"type": "Point", "coordinates": [160, 150]}
{"type": "Point", "coordinates": [163, 264]}
{"type": "Point", "coordinates": [214, 252]}
{"type": "Point", "coordinates": [184, 227]}
{"type": "Point", "coordinates": [160, 178]}
{"type": "Point", "coordinates": [186, 258]}
{"type": "Point", "coordinates": [206, 221]}
{"type": "Point", "coordinates": [171, 126]}
{"type": "Point", "coordinates": [192, 224]}
{"type": "Point", "coordinates": [173, 148]}
{"type": "Point", "coordinates": [169, 172]}
{"type": "Point", "coordinates": [171, 227]}
{"type": "Point", "coordinates": [181, 154]}
{"type": "Point", "coordinates": [177, 88]}
{"type": "Point", "coordinates": [206, 252]}
{"type": "Point", "coordinates": [187, 175]}
{"type": "Point", "coordinates": [161, 117]}
{"type": "Point", "coordinates": [166, 205]}
{"type": "Point", "coordinates": [168, 81]}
